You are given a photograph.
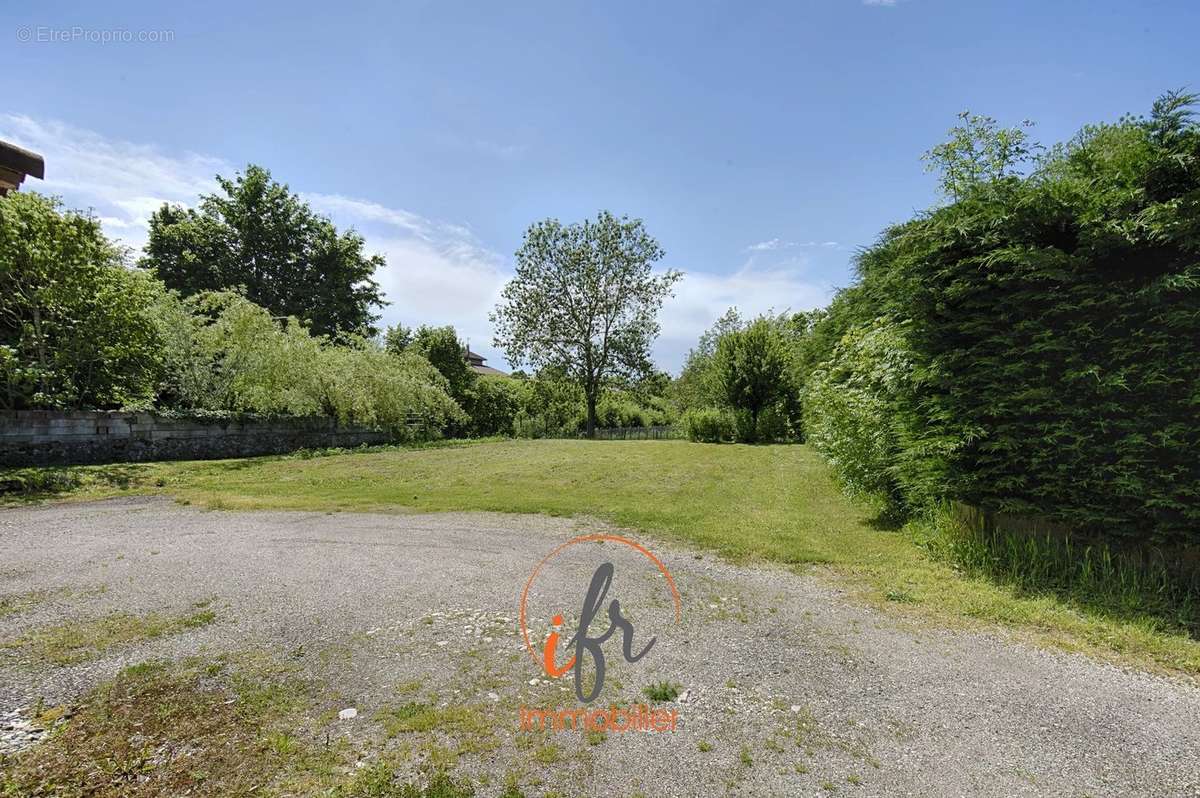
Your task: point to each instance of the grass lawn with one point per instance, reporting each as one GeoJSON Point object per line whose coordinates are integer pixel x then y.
{"type": "Point", "coordinates": [776, 503]}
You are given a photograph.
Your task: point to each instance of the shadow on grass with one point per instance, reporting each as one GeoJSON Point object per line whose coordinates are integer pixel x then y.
{"type": "Point", "coordinates": [39, 483]}
{"type": "Point", "coordinates": [19, 485]}
{"type": "Point", "coordinates": [886, 521]}
{"type": "Point", "coordinates": [31, 485]}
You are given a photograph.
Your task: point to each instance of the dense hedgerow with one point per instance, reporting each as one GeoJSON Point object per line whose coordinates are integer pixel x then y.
{"type": "Point", "coordinates": [854, 407]}
{"type": "Point", "coordinates": [223, 352]}
{"type": "Point", "coordinates": [1052, 322]}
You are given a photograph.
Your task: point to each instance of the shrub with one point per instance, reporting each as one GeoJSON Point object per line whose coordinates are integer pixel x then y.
{"type": "Point", "coordinates": [745, 427]}
{"type": "Point", "coordinates": [225, 353]}
{"type": "Point", "coordinates": [659, 412]}
{"type": "Point", "coordinates": [613, 412]}
{"type": "Point", "coordinates": [851, 407]}
{"type": "Point", "coordinates": [75, 326]}
{"type": "Point", "coordinates": [494, 404]}
{"type": "Point", "coordinates": [617, 409]}
{"type": "Point", "coordinates": [363, 384]}
{"type": "Point", "coordinates": [774, 425]}
{"type": "Point", "coordinates": [551, 407]}
{"type": "Point", "coordinates": [527, 426]}
{"type": "Point", "coordinates": [1051, 328]}
{"type": "Point", "coordinates": [709, 425]}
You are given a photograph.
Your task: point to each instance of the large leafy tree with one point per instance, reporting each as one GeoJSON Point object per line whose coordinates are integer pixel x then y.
{"type": "Point", "coordinates": [441, 347]}
{"type": "Point", "coordinates": [751, 367]}
{"type": "Point", "coordinates": [698, 385]}
{"type": "Point", "coordinates": [76, 329]}
{"type": "Point", "coordinates": [255, 234]}
{"type": "Point", "coordinates": [584, 299]}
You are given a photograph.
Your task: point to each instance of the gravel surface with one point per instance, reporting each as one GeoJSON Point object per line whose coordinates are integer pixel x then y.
{"type": "Point", "coordinates": [789, 688]}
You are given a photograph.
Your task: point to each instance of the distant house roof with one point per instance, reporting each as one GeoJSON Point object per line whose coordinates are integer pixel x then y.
{"type": "Point", "coordinates": [15, 164]}
{"type": "Point", "coordinates": [476, 362]}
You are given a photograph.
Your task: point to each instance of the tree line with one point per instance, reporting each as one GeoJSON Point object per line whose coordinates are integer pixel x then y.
{"type": "Point", "coordinates": [253, 303]}
{"type": "Point", "coordinates": [1028, 345]}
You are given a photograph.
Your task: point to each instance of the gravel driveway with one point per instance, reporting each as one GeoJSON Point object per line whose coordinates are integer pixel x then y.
{"type": "Point", "coordinates": [789, 688]}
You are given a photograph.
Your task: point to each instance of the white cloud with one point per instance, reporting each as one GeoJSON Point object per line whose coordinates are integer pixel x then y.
{"type": "Point", "coordinates": [437, 272]}
{"type": "Point", "coordinates": [366, 211]}
{"type": "Point", "coordinates": [123, 183]}
{"type": "Point", "coordinates": [701, 297]}
{"type": "Point", "coordinates": [776, 244]}
{"type": "Point", "coordinates": [886, 3]}
{"type": "Point", "coordinates": [767, 246]}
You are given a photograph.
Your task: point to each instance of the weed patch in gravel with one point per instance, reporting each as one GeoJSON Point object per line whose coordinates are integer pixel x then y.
{"type": "Point", "coordinates": [154, 730]}
{"type": "Point", "coordinates": [77, 641]}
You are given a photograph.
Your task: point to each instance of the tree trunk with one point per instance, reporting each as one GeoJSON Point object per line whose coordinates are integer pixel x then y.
{"type": "Point", "coordinates": [591, 413]}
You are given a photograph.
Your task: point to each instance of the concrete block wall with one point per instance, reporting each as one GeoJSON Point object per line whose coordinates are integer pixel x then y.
{"type": "Point", "coordinates": [81, 437]}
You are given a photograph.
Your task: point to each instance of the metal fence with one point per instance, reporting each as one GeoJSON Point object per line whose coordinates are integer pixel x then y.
{"type": "Point", "coordinates": [637, 433]}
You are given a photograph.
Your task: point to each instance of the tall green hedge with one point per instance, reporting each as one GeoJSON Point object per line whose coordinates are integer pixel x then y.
{"type": "Point", "coordinates": [1054, 327]}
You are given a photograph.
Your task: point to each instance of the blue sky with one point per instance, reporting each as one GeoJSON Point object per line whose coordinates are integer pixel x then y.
{"type": "Point", "coordinates": [762, 143]}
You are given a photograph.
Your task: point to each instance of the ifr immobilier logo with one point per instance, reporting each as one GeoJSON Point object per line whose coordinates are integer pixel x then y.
{"type": "Point", "coordinates": [582, 652]}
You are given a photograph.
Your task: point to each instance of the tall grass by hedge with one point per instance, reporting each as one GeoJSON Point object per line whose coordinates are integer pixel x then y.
{"type": "Point", "coordinates": [1051, 327]}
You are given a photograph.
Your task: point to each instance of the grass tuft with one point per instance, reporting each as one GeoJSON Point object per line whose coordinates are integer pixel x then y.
{"type": "Point", "coordinates": [662, 691]}
{"type": "Point", "coordinates": [77, 641]}
{"type": "Point", "coordinates": [14, 603]}
{"type": "Point", "coordinates": [379, 781]}
{"type": "Point", "coordinates": [1090, 576]}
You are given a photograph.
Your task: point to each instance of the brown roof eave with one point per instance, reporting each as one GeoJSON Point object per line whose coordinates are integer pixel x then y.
{"type": "Point", "coordinates": [22, 160]}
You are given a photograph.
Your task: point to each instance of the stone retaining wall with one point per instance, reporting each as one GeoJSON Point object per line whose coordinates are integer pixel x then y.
{"type": "Point", "coordinates": [37, 437]}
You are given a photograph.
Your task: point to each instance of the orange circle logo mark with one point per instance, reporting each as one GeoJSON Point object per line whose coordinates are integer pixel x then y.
{"type": "Point", "coordinates": [544, 663]}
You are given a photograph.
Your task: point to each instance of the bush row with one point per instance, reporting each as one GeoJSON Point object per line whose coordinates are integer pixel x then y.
{"type": "Point", "coordinates": [80, 330]}
{"type": "Point", "coordinates": [551, 406]}
{"type": "Point", "coordinates": [1033, 346]}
